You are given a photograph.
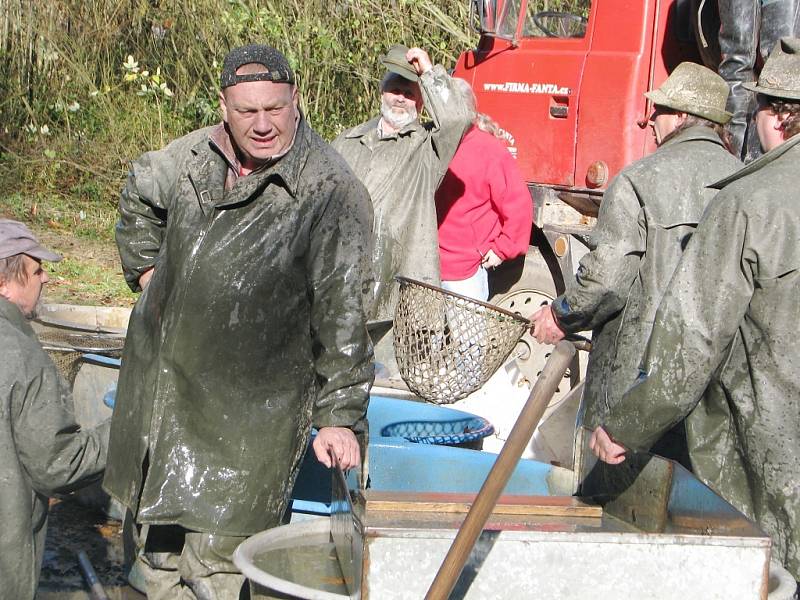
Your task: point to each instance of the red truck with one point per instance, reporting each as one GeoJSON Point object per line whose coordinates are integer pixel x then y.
{"type": "Point", "coordinates": [568, 89]}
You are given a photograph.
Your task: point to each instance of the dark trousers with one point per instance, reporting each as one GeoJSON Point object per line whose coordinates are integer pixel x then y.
{"type": "Point", "coordinates": [749, 29]}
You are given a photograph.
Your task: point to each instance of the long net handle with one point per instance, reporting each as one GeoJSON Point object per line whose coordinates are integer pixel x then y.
{"type": "Point", "coordinates": [498, 477]}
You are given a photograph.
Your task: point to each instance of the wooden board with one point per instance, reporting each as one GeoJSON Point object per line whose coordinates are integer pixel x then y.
{"type": "Point", "coordinates": [554, 506]}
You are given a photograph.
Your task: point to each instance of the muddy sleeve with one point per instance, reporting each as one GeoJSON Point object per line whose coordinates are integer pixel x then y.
{"type": "Point", "coordinates": [696, 322]}
{"type": "Point", "coordinates": [57, 455]}
{"type": "Point", "coordinates": [449, 113]}
{"type": "Point", "coordinates": [338, 276]}
{"type": "Point", "coordinates": [605, 275]}
{"type": "Point", "coordinates": [142, 220]}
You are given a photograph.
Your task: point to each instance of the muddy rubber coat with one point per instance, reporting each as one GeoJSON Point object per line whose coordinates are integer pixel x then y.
{"type": "Point", "coordinates": [252, 329]}
{"type": "Point", "coordinates": [730, 317]}
{"type": "Point", "coordinates": [402, 172]}
{"type": "Point", "coordinates": [42, 451]}
{"type": "Point", "coordinates": [646, 218]}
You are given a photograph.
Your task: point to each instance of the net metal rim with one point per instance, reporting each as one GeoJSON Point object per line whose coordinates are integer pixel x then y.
{"type": "Point", "coordinates": [444, 292]}
{"type": "Point", "coordinates": [464, 430]}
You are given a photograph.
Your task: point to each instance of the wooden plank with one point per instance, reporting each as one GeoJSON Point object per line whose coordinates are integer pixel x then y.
{"type": "Point", "coordinates": [554, 506]}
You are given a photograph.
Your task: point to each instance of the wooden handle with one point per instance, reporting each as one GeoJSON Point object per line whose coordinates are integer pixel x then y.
{"type": "Point", "coordinates": [501, 472]}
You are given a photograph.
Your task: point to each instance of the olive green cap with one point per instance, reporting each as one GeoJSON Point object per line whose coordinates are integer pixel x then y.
{"type": "Point", "coordinates": [695, 90]}
{"type": "Point", "coordinates": [395, 61]}
{"type": "Point", "coordinates": [780, 76]}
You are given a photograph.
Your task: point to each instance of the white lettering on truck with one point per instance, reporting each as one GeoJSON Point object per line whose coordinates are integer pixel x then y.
{"type": "Point", "coordinates": [521, 87]}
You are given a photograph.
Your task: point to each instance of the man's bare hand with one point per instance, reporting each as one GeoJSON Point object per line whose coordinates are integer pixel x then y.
{"type": "Point", "coordinates": [545, 327]}
{"type": "Point", "coordinates": [144, 278]}
{"type": "Point", "coordinates": [420, 60]}
{"type": "Point", "coordinates": [491, 260]}
{"type": "Point", "coordinates": [605, 448]}
{"type": "Point", "coordinates": [339, 441]}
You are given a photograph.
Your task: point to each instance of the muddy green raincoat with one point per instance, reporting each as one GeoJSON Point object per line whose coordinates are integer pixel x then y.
{"type": "Point", "coordinates": [730, 317]}
{"type": "Point", "coordinates": [251, 330]}
{"type": "Point", "coordinates": [43, 451]}
{"type": "Point", "coordinates": [646, 218]}
{"type": "Point", "coordinates": [401, 172]}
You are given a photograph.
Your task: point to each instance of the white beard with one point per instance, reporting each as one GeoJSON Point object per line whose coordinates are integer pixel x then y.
{"type": "Point", "coordinates": [395, 119]}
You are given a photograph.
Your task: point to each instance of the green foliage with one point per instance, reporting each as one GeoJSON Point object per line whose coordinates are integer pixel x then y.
{"type": "Point", "coordinates": [93, 282]}
{"type": "Point", "coordinates": [88, 86]}
{"type": "Point", "coordinates": [76, 212]}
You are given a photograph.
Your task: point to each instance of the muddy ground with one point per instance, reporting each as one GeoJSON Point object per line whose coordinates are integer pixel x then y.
{"type": "Point", "coordinates": [73, 527]}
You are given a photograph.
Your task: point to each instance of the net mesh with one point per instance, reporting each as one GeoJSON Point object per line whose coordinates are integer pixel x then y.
{"type": "Point", "coordinates": [446, 345]}
{"type": "Point", "coordinates": [447, 433]}
{"type": "Point", "coordinates": [66, 347]}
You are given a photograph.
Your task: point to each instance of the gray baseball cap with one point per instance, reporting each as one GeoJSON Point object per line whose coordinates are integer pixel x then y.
{"type": "Point", "coordinates": [695, 90]}
{"type": "Point", "coordinates": [16, 238]}
{"type": "Point", "coordinates": [395, 61]}
{"type": "Point", "coordinates": [276, 67]}
{"type": "Point", "coordinates": [780, 77]}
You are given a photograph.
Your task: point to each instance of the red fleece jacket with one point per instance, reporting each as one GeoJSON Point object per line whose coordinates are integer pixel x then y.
{"type": "Point", "coordinates": [481, 204]}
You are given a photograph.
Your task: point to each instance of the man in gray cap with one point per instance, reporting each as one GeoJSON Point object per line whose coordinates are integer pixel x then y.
{"type": "Point", "coordinates": [251, 240]}
{"type": "Point", "coordinates": [646, 219]}
{"type": "Point", "coordinates": [730, 317]}
{"type": "Point", "coordinates": [402, 161]}
{"type": "Point", "coordinates": [43, 451]}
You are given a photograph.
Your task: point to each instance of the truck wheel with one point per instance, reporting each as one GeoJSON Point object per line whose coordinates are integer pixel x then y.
{"type": "Point", "coordinates": [522, 286]}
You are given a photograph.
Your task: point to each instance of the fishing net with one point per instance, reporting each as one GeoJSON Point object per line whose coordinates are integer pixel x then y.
{"type": "Point", "coordinates": [448, 433]}
{"type": "Point", "coordinates": [447, 345]}
{"type": "Point", "coordinates": [66, 347]}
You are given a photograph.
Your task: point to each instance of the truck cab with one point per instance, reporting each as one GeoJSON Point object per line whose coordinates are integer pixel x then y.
{"type": "Point", "coordinates": [568, 87]}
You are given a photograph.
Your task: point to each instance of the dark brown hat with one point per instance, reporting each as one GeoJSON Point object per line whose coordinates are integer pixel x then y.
{"type": "Point", "coordinates": [276, 67]}
{"type": "Point", "coordinates": [16, 238]}
{"type": "Point", "coordinates": [395, 61]}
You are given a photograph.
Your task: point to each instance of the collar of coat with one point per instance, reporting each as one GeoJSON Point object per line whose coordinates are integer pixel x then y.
{"type": "Point", "coordinates": [370, 130]}
{"type": "Point", "coordinates": [11, 313]}
{"type": "Point", "coordinates": [759, 163]}
{"type": "Point", "coordinates": [208, 175]}
{"type": "Point", "coordinates": [692, 134]}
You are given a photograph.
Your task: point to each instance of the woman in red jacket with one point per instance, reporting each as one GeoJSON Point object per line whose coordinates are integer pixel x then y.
{"type": "Point", "coordinates": [483, 207]}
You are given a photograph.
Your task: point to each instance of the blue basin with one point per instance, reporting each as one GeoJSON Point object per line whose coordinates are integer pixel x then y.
{"type": "Point", "coordinates": [398, 465]}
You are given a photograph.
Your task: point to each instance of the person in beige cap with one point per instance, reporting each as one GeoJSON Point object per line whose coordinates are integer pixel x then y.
{"type": "Point", "coordinates": [22, 276]}
{"type": "Point", "coordinates": [729, 320]}
{"type": "Point", "coordinates": [647, 216]}
{"type": "Point", "coordinates": [43, 451]}
{"type": "Point", "coordinates": [401, 161]}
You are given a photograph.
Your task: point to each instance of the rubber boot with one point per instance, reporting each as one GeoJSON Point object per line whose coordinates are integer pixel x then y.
{"type": "Point", "coordinates": [779, 18]}
{"type": "Point", "coordinates": [738, 42]}
{"type": "Point", "coordinates": [742, 104]}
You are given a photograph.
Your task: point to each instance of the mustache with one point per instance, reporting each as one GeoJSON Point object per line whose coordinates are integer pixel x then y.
{"type": "Point", "coordinates": [397, 120]}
